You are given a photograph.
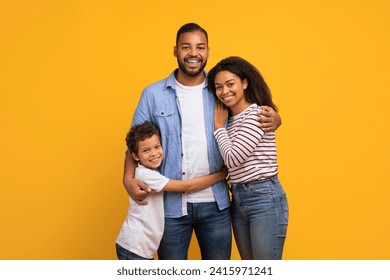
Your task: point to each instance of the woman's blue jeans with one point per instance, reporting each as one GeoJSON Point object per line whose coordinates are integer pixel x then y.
{"type": "Point", "coordinates": [212, 228]}
{"type": "Point", "coordinates": [260, 219]}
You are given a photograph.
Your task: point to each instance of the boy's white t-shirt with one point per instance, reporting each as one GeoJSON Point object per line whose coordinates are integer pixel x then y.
{"type": "Point", "coordinates": [143, 228]}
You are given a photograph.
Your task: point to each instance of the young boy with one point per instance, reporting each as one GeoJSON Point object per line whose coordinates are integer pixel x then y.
{"type": "Point", "coordinates": [143, 228]}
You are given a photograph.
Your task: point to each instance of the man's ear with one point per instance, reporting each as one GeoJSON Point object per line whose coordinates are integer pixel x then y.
{"type": "Point", "coordinates": [135, 157]}
{"type": "Point", "coordinates": [174, 51]}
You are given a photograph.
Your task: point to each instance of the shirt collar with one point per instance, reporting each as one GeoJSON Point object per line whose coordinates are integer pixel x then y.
{"type": "Point", "coordinates": [171, 80]}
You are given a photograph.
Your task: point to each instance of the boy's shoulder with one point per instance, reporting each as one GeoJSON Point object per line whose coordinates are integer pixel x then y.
{"type": "Point", "coordinates": [154, 179]}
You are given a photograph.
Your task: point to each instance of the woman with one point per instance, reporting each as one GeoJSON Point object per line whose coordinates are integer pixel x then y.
{"type": "Point", "coordinates": [259, 203]}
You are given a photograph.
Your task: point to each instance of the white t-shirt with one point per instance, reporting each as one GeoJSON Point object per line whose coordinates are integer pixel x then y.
{"type": "Point", "coordinates": [194, 143]}
{"type": "Point", "coordinates": [143, 228]}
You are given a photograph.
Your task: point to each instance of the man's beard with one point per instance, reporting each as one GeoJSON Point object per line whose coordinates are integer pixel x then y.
{"type": "Point", "coordinates": [182, 67]}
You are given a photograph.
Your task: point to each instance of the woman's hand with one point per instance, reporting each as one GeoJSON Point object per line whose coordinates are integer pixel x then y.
{"type": "Point", "coordinates": [221, 114]}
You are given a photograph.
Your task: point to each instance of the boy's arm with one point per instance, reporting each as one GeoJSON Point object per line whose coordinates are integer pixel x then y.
{"type": "Point", "coordinates": [196, 184]}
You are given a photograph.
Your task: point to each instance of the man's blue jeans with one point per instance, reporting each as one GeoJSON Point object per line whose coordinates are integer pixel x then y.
{"type": "Point", "coordinates": [260, 218]}
{"type": "Point", "coordinates": [212, 228]}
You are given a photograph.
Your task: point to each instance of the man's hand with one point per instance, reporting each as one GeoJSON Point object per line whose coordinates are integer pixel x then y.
{"type": "Point", "coordinates": [136, 189]}
{"type": "Point", "coordinates": [268, 119]}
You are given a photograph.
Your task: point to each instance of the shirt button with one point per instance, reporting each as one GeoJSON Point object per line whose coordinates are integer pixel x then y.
{"type": "Point", "coordinates": [162, 113]}
{"type": "Point", "coordinates": [184, 173]}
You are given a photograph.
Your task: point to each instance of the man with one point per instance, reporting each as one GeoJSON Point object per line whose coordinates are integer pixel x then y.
{"type": "Point", "coordinates": [183, 108]}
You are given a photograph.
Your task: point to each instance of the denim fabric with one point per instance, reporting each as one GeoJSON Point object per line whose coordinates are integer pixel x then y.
{"type": "Point", "coordinates": [124, 254]}
{"type": "Point", "coordinates": [212, 228]}
{"type": "Point", "coordinates": [159, 104]}
{"type": "Point", "coordinates": [260, 219]}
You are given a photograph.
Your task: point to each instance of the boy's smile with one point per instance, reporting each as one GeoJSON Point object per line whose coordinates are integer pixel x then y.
{"type": "Point", "coordinates": [150, 153]}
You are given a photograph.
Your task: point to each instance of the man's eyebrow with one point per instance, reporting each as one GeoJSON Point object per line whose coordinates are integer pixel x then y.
{"type": "Point", "coordinates": [199, 44]}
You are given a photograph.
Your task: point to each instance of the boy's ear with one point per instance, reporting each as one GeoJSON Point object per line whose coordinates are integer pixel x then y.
{"type": "Point", "coordinates": [135, 157]}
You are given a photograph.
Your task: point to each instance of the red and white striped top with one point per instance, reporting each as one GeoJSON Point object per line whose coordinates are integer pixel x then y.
{"type": "Point", "coordinates": [248, 152]}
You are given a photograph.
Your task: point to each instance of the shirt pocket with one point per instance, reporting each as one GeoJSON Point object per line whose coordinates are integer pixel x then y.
{"type": "Point", "coordinates": [166, 120]}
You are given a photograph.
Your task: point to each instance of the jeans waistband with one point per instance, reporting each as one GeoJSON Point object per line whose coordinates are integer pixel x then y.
{"type": "Point", "coordinates": [273, 178]}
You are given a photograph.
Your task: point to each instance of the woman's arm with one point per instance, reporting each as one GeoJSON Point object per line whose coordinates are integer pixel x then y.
{"type": "Point", "coordinates": [196, 184]}
{"type": "Point", "coordinates": [247, 136]}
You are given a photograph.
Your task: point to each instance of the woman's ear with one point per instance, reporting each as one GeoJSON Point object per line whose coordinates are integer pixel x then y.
{"type": "Point", "coordinates": [245, 83]}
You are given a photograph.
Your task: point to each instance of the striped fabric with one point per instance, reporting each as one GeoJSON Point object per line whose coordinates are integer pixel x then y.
{"type": "Point", "coordinates": [248, 152]}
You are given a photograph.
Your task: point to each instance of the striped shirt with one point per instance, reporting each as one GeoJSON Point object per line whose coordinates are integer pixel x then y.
{"type": "Point", "coordinates": [248, 152]}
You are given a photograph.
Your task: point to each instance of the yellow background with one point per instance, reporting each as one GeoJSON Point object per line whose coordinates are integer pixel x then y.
{"type": "Point", "coordinates": [71, 73]}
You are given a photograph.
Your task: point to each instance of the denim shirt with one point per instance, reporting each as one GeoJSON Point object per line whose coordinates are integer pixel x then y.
{"type": "Point", "coordinates": [160, 105]}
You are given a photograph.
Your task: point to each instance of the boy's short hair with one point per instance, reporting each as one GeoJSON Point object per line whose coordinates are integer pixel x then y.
{"type": "Point", "coordinates": [140, 133]}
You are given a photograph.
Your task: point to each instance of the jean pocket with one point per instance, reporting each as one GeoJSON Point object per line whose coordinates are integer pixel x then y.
{"type": "Point", "coordinates": [256, 198]}
{"type": "Point", "coordinates": [260, 188]}
{"type": "Point", "coordinates": [284, 207]}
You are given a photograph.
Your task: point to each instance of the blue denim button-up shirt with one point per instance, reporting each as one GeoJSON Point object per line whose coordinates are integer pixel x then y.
{"type": "Point", "coordinates": [160, 105]}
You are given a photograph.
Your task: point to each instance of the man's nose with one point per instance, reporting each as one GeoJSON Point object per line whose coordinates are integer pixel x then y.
{"type": "Point", "coordinates": [193, 51]}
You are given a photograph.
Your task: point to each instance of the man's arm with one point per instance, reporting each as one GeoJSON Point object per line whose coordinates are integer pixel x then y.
{"type": "Point", "coordinates": [136, 189]}
{"type": "Point", "coordinates": [269, 120]}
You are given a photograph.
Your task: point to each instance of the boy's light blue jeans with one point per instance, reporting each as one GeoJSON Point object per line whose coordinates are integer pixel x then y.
{"type": "Point", "coordinates": [260, 219]}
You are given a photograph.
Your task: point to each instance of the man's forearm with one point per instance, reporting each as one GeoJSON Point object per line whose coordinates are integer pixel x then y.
{"type": "Point", "coordinates": [129, 166]}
